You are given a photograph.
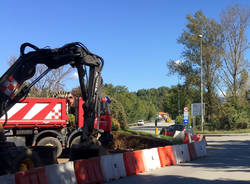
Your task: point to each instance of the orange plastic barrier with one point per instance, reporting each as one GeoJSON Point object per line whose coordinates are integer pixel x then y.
{"type": "Point", "coordinates": [166, 156]}
{"type": "Point", "coordinates": [192, 152]}
{"type": "Point", "coordinates": [88, 171]}
{"type": "Point", "coordinates": [133, 162]}
{"type": "Point", "coordinates": [185, 140]}
{"type": "Point", "coordinates": [34, 176]}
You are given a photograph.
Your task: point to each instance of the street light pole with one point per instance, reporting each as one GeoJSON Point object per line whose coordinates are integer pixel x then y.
{"type": "Point", "coordinates": [179, 109]}
{"type": "Point", "coordinates": [202, 113]}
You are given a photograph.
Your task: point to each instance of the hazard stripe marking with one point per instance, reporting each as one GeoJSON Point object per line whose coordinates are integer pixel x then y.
{"type": "Point", "coordinates": [35, 110]}
{"type": "Point", "coordinates": [14, 109]}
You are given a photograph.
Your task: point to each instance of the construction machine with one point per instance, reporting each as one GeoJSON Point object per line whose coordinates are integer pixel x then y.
{"type": "Point", "coordinates": [14, 88]}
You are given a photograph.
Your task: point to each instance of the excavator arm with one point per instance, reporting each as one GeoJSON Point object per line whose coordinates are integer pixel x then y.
{"type": "Point", "coordinates": [74, 54]}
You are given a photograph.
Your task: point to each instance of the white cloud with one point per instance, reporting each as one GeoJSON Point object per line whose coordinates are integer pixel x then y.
{"type": "Point", "coordinates": [74, 75]}
{"type": "Point", "coordinates": [179, 62]}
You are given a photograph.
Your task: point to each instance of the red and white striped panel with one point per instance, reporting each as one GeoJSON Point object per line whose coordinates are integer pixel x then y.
{"type": "Point", "coordinates": [35, 111]}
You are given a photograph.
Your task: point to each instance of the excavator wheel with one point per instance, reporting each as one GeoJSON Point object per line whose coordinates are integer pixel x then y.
{"type": "Point", "coordinates": [51, 141]}
{"type": "Point", "coordinates": [84, 147]}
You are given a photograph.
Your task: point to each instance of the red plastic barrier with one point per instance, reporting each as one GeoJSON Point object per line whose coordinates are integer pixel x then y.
{"type": "Point", "coordinates": [34, 176]}
{"type": "Point", "coordinates": [186, 140]}
{"type": "Point", "coordinates": [88, 171]}
{"type": "Point", "coordinates": [196, 137]}
{"type": "Point", "coordinates": [192, 152]}
{"type": "Point", "coordinates": [133, 162]}
{"type": "Point", "coordinates": [166, 156]}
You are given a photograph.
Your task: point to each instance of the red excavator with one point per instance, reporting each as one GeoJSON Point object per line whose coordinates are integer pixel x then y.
{"type": "Point", "coordinates": [14, 89]}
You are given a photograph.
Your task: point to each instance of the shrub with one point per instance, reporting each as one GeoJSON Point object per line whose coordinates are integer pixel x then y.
{"type": "Point", "coordinates": [71, 119]}
{"type": "Point", "coordinates": [115, 125]}
{"type": "Point", "coordinates": [179, 119]}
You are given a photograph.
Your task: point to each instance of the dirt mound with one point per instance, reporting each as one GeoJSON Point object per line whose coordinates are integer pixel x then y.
{"type": "Point", "coordinates": [129, 142]}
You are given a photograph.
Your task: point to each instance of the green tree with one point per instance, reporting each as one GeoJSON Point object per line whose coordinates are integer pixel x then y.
{"type": "Point", "coordinates": [235, 21]}
{"type": "Point", "coordinates": [212, 49]}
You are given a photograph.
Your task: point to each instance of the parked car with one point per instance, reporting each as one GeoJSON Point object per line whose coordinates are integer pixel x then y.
{"type": "Point", "coordinates": [170, 131]}
{"type": "Point", "coordinates": [140, 123]}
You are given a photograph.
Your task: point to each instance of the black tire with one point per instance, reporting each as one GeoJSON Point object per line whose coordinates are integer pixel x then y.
{"type": "Point", "coordinates": [51, 141]}
{"type": "Point", "coordinates": [76, 141]}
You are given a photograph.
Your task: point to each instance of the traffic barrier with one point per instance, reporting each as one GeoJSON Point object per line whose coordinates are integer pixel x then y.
{"type": "Point", "coordinates": [88, 171]}
{"type": "Point", "coordinates": [192, 152]}
{"type": "Point", "coordinates": [186, 139]}
{"type": "Point", "coordinates": [113, 166]}
{"type": "Point", "coordinates": [181, 153]}
{"type": "Point", "coordinates": [179, 135]}
{"type": "Point", "coordinates": [196, 137]}
{"type": "Point", "coordinates": [166, 156]}
{"type": "Point", "coordinates": [61, 173]}
{"type": "Point", "coordinates": [133, 162]}
{"type": "Point", "coordinates": [109, 167]}
{"type": "Point", "coordinates": [7, 179]}
{"type": "Point", "coordinates": [151, 159]}
{"type": "Point", "coordinates": [34, 176]}
{"type": "Point", "coordinates": [204, 138]}
{"type": "Point", "coordinates": [200, 148]}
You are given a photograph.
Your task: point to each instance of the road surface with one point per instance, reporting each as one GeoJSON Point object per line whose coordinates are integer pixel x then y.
{"type": "Point", "coordinates": [227, 162]}
{"type": "Point", "coordinates": [150, 127]}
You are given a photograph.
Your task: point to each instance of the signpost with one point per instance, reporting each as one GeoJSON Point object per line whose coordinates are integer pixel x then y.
{"type": "Point", "coordinates": [196, 109]}
{"type": "Point", "coordinates": [185, 115]}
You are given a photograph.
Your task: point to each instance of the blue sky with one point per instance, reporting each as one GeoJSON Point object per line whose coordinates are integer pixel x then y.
{"type": "Point", "coordinates": [135, 37]}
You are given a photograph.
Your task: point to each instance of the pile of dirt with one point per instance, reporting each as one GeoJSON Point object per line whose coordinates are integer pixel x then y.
{"type": "Point", "coordinates": [129, 142]}
{"type": "Point", "coordinates": [124, 142]}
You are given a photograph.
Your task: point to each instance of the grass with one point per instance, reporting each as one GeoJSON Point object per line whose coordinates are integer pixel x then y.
{"type": "Point", "coordinates": [168, 138]}
{"type": "Point", "coordinates": [224, 131]}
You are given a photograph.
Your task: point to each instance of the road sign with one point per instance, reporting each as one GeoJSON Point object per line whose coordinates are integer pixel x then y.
{"type": "Point", "coordinates": [185, 115]}
{"type": "Point", "coordinates": [196, 109]}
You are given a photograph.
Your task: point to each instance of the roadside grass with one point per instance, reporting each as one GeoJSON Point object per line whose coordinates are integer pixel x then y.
{"type": "Point", "coordinates": [223, 131]}
{"type": "Point", "coordinates": [168, 138]}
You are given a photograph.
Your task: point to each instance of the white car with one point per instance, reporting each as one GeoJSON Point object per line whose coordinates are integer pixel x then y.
{"type": "Point", "coordinates": [140, 123]}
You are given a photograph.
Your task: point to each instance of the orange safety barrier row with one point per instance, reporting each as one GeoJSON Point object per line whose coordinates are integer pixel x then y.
{"type": "Point", "coordinates": [91, 170]}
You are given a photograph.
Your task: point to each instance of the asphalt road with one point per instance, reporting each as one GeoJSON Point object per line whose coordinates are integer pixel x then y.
{"type": "Point", "coordinates": [227, 162]}
{"type": "Point", "coordinates": [150, 127]}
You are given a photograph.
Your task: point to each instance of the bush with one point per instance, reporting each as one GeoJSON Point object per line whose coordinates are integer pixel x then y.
{"type": "Point", "coordinates": [115, 125]}
{"type": "Point", "coordinates": [179, 119]}
{"type": "Point", "coordinates": [71, 119]}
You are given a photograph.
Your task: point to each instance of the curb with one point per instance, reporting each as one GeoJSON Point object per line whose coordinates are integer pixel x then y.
{"type": "Point", "coordinates": [109, 167]}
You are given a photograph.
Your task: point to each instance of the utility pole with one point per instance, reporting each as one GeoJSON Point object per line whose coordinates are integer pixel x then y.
{"type": "Point", "coordinates": [179, 106]}
{"type": "Point", "coordinates": [202, 113]}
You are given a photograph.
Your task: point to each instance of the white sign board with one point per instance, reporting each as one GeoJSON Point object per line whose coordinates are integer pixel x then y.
{"type": "Point", "coordinates": [196, 109]}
